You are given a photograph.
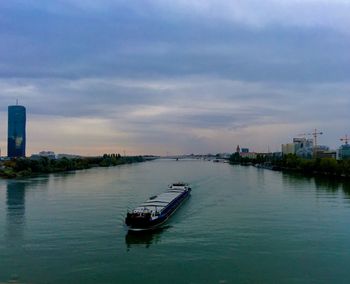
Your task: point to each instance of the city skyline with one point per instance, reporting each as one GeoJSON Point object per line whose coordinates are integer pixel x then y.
{"type": "Point", "coordinates": [175, 76]}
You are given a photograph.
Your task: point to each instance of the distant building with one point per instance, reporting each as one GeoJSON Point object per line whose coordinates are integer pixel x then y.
{"type": "Point", "coordinates": [52, 155]}
{"type": "Point", "coordinates": [250, 155]}
{"type": "Point", "coordinates": [344, 152]}
{"type": "Point", "coordinates": [223, 155]}
{"type": "Point", "coordinates": [16, 131]}
{"type": "Point", "coordinates": [68, 156]}
{"type": "Point", "coordinates": [322, 151]}
{"type": "Point", "coordinates": [271, 156]}
{"type": "Point", "coordinates": [321, 148]}
{"type": "Point", "coordinates": [288, 148]}
{"type": "Point", "coordinates": [244, 153]}
{"type": "Point", "coordinates": [326, 154]}
{"type": "Point", "coordinates": [42, 154]}
{"type": "Point", "coordinates": [301, 147]}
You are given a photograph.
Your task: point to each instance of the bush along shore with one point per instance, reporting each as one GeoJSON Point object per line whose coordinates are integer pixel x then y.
{"type": "Point", "coordinates": [26, 167]}
{"type": "Point", "coordinates": [292, 163]}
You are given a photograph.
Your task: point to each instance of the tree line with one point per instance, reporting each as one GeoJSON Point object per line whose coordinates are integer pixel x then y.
{"type": "Point", "coordinates": [21, 167]}
{"type": "Point", "coordinates": [324, 166]}
{"type": "Point", "coordinates": [291, 162]}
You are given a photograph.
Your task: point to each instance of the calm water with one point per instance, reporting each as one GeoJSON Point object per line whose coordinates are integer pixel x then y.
{"type": "Point", "coordinates": [241, 225]}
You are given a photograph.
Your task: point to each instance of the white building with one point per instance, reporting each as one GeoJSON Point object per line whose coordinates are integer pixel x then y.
{"type": "Point", "coordinates": [44, 154]}
{"type": "Point", "coordinates": [288, 149]}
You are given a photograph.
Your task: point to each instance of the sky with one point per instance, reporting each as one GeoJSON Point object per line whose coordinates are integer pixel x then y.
{"type": "Point", "coordinates": [175, 76]}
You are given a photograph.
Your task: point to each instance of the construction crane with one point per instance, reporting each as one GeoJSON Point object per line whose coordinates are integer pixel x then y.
{"type": "Point", "coordinates": [315, 133]}
{"type": "Point", "coordinates": [345, 139]}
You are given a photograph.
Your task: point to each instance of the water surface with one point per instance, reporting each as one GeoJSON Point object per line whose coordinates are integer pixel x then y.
{"type": "Point", "coordinates": [241, 225]}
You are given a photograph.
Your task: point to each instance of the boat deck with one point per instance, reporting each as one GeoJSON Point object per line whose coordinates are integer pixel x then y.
{"type": "Point", "coordinates": [158, 203]}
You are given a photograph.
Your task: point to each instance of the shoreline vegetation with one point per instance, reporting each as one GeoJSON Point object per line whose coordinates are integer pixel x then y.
{"type": "Point", "coordinates": [26, 167]}
{"type": "Point", "coordinates": [329, 167]}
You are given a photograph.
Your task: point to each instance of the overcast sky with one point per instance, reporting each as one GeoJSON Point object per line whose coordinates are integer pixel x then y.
{"type": "Point", "coordinates": [177, 76]}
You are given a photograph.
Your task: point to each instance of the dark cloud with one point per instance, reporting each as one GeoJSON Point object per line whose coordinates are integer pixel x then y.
{"type": "Point", "coordinates": [130, 41]}
{"type": "Point", "coordinates": [178, 72]}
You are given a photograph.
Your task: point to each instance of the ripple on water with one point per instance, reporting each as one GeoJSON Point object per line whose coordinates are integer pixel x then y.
{"type": "Point", "coordinates": [241, 225]}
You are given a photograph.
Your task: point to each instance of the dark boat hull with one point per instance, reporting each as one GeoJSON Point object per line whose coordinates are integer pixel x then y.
{"type": "Point", "coordinates": [146, 223]}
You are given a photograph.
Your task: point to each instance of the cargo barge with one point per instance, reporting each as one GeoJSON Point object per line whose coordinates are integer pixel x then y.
{"type": "Point", "coordinates": [157, 209]}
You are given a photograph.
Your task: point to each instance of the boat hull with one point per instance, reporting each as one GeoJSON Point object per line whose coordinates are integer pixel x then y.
{"type": "Point", "coordinates": [146, 223]}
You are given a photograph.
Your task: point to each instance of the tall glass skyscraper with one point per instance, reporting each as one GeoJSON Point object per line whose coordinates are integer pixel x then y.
{"type": "Point", "coordinates": [16, 131]}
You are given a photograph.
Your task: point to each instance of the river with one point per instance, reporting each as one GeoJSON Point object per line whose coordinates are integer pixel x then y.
{"type": "Point", "coordinates": [241, 225]}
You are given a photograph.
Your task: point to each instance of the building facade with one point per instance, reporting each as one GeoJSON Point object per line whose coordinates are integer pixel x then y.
{"type": "Point", "coordinates": [344, 152]}
{"type": "Point", "coordinates": [288, 148]}
{"type": "Point", "coordinates": [16, 131]}
{"type": "Point", "coordinates": [301, 147]}
{"type": "Point", "coordinates": [326, 154]}
{"type": "Point", "coordinates": [250, 155]}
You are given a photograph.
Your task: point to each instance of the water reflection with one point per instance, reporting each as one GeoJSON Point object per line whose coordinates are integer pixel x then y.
{"type": "Point", "coordinates": [321, 183]}
{"type": "Point", "coordinates": [333, 185]}
{"type": "Point", "coordinates": [146, 238]}
{"type": "Point", "coordinates": [346, 188]}
{"type": "Point", "coordinates": [296, 179]}
{"type": "Point", "coordinates": [327, 184]}
{"type": "Point", "coordinates": [15, 202]}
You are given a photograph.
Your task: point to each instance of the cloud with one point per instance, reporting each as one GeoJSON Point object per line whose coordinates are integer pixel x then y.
{"type": "Point", "coordinates": [183, 114]}
{"type": "Point", "coordinates": [75, 39]}
{"type": "Point", "coordinates": [258, 14]}
{"type": "Point", "coordinates": [254, 13]}
{"type": "Point", "coordinates": [190, 76]}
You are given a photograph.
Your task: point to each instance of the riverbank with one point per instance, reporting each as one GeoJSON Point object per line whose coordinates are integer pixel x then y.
{"type": "Point", "coordinates": [291, 163]}
{"type": "Point", "coordinates": [26, 167]}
